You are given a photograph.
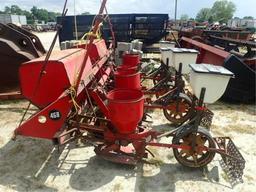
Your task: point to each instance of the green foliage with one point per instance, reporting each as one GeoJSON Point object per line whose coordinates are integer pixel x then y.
{"type": "Point", "coordinates": [248, 17]}
{"type": "Point", "coordinates": [85, 13]}
{"type": "Point", "coordinates": [203, 15]}
{"type": "Point", "coordinates": [221, 11]}
{"type": "Point", "coordinates": [39, 14]}
{"type": "Point", "coordinates": [52, 16]}
{"type": "Point", "coordinates": [7, 10]}
{"type": "Point", "coordinates": [184, 17]}
{"type": "Point", "coordinates": [34, 14]}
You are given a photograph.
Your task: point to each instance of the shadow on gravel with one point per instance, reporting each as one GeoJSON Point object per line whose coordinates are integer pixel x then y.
{"type": "Point", "coordinates": [20, 160]}
{"type": "Point", "coordinates": [26, 164]}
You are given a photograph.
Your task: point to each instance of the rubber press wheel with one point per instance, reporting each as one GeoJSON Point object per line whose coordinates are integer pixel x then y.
{"type": "Point", "coordinates": [196, 158]}
{"type": "Point", "coordinates": [180, 114]}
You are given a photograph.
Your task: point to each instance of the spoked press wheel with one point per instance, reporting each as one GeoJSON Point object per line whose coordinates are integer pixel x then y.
{"type": "Point", "coordinates": [180, 110]}
{"type": "Point", "coordinates": [198, 157]}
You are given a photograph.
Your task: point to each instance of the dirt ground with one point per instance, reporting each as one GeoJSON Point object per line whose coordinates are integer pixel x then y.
{"type": "Point", "coordinates": [47, 38]}
{"type": "Point", "coordinates": [35, 165]}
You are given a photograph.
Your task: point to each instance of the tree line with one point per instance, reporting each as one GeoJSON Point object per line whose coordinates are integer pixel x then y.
{"type": "Point", "coordinates": [221, 11]}
{"type": "Point", "coordinates": [32, 15]}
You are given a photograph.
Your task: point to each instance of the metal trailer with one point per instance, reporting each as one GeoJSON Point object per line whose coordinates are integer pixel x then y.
{"type": "Point", "coordinates": [149, 28]}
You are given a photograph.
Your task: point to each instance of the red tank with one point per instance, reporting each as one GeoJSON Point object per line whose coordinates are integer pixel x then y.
{"type": "Point", "coordinates": [125, 109]}
{"type": "Point", "coordinates": [127, 80]}
{"type": "Point", "coordinates": [127, 69]}
{"type": "Point", "coordinates": [131, 60]}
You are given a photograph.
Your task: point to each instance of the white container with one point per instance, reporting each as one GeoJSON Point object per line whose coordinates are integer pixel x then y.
{"type": "Point", "coordinates": [63, 45]}
{"type": "Point", "coordinates": [166, 44]}
{"type": "Point", "coordinates": [184, 56]}
{"type": "Point", "coordinates": [23, 19]}
{"type": "Point", "coordinates": [136, 51]}
{"type": "Point", "coordinates": [124, 46]}
{"type": "Point", "coordinates": [166, 53]}
{"type": "Point", "coordinates": [74, 43]}
{"type": "Point", "coordinates": [15, 19]}
{"type": "Point", "coordinates": [214, 78]}
{"type": "Point", "coordinates": [136, 44]}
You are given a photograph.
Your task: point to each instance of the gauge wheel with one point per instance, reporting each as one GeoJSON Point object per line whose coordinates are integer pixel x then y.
{"type": "Point", "coordinates": [179, 110]}
{"type": "Point", "coordinates": [194, 158]}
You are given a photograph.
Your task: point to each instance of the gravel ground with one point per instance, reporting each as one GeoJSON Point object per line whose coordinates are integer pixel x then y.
{"type": "Point", "coordinates": [35, 165]}
{"type": "Point", "coordinates": [47, 38]}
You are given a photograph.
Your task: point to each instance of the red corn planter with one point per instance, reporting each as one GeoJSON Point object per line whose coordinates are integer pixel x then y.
{"type": "Point", "coordinates": [131, 60]}
{"type": "Point", "coordinates": [125, 109]}
{"type": "Point", "coordinates": [126, 80]}
{"type": "Point", "coordinates": [63, 89]}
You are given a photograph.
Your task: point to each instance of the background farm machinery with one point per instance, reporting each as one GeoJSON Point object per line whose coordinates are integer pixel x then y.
{"type": "Point", "coordinates": [242, 88]}
{"type": "Point", "coordinates": [16, 46]}
{"type": "Point", "coordinates": [233, 49]}
{"type": "Point", "coordinates": [82, 95]}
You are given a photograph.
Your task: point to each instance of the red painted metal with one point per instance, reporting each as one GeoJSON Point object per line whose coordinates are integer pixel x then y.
{"type": "Point", "coordinates": [198, 108]}
{"type": "Point", "coordinates": [91, 39]}
{"type": "Point", "coordinates": [97, 51]}
{"type": "Point", "coordinates": [165, 145]}
{"type": "Point", "coordinates": [126, 80]}
{"type": "Point", "coordinates": [104, 75]}
{"type": "Point", "coordinates": [131, 60]}
{"type": "Point", "coordinates": [127, 69]}
{"type": "Point", "coordinates": [59, 75]}
{"type": "Point", "coordinates": [104, 109]}
{"type": "Point", "coordinates": [65, 66]}
{"type": "Point", "coordinates": [33, 128]}
{"type": "Point", "coordinates": [125, 109]}
{"type": "Point", "coordinates": [235, 34]}
{"type": "Point", "coordinates": [208, 54]}
{"type": "Point", "coordinates": [111, 136]}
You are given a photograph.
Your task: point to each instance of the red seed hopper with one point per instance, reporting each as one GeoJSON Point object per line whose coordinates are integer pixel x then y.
{"type": "Point", "coordinates": [59, 74]}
